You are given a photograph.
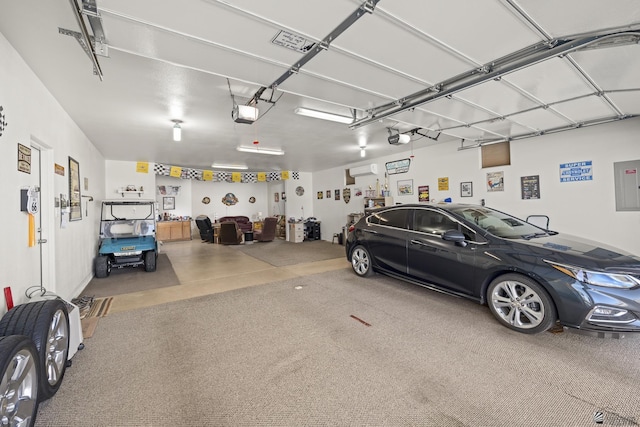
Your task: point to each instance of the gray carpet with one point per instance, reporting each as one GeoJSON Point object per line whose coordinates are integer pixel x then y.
{"type": "Point", "coordinates": [133, 279]}
{"type": "Point", "coordinates": [280, 253]}
{"type": "Point", "coordinates": [274, 355]}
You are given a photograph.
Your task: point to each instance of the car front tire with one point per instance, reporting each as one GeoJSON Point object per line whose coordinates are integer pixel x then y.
{"type": "Point", "coordinates": [103, 266]}
{"type": "Point", "coordinates": [361, 261]}
{"type": "Point", "coordinates": [47, 324]}
{"type": "Point", "coordinates": [521, 304]}
{"type": "Point", "coordinates": [18, 380]}
{"type": "Point", "coordinates": [150, 261]}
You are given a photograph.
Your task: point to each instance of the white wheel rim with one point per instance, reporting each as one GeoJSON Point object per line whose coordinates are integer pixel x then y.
{"type": "Point", "coordinates": [360, 261]}
{"type": "Point", "coordinates": [517, 304]}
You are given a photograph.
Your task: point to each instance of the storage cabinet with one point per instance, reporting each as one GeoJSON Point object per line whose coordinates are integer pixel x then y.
{"type": "Point", "coordinates": [376, 202]}
{"type": "Point", "coordinates": [312, 230]}
{"type": "Point", "coordinates": [296, 232]}
{"type": "Point", "coordinates": [168, 231]}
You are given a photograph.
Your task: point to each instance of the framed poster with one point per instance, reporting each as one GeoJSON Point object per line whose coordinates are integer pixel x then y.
{"type": "Point", "coordinates": [423, 193]}
{"type": "Point", "coordinates": [168, 203]}
{"type": "Point", "coordinates": [495, 181]}
{"type": "Point", "coordinates": [75, 213]}
{"type": "Point", "coordinates": [405, 187]}
{"type": "Point", "coordinates": [530, 187]}
{"type": "Point", "coordinates": [466, 189]}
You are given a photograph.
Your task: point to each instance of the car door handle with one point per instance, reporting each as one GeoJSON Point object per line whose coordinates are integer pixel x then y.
{"type": "Point", "coordinates": [370, 231]}
{"type": "Point", "coordinates": [418, 242]}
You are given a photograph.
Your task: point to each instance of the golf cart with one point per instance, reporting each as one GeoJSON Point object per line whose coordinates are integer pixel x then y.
{"type": "Point", "coordinates": [127, 236]}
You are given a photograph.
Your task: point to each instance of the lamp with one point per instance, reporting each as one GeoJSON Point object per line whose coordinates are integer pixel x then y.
{"type": "Point", "coordinates": [217, 166]}
{"type": "Point", "coordinates": [177, 130]}
{"type": "Point", "coordinates": [324, 115]}
{"type": "Point", "coordinates": [272, 151]}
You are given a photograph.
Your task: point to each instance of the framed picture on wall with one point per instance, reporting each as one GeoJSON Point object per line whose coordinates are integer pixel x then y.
{"type": "Point", "coordinates": [466, 189]}
{"type": "Point", "coordinates": [168, 203]}
{"type": "Point", "coordinates": [75, 213]}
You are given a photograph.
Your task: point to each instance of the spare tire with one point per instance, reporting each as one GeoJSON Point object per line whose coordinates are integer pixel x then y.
{"type": "Point", "coordinates": [19, 377]}
{"type": "Point", "coordinates": [47, 324]}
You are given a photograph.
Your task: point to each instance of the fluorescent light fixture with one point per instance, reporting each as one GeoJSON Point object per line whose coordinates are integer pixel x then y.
{"type": "Point", "coordinates": [177, 130]}
{"type": "Point", "coordinates": [258, 150]}
{"type": "Point", "coordinates": [323, 115]}
{"type": "Point", "coordinates": [217, 166]}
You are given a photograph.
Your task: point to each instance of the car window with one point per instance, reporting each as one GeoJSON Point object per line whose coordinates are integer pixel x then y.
{"type": "Point", "coordinates": [432, 222]}
{"type": "Point", "coordinates": [396, 218]}
{"type": "Point", "coordinates": [498, 223]}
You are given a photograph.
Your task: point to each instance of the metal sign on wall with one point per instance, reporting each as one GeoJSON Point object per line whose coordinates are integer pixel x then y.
{"type": "Point", "coordinates": [576, 171]}
{"type": "Point", "coordinates": [24, 158]}
{"type": "Point", "coordinates": [398, 166]}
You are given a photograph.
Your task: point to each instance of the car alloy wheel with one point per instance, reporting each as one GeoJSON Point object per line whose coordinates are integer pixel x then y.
{"type": "Point", "coordinates": [361, 261]}
{"type": "Point", "coordinates": [18, 381]}
{"type": "Point", "coordinates": [521, 304]}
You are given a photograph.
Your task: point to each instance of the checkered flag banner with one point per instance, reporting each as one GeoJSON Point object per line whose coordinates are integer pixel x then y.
{"type": "Point", "coordinates": [191, 174]}
{"type": "Point", "coordinates": [250, 177]}
{"type": "Point", "coordinates": [295, 175]}
{"type": "Point", "coordinates": [273, 176]}
{"type": "Point", "coordinates": [160, 169]}
{"type": "Point", "coordinates": [223, 176]}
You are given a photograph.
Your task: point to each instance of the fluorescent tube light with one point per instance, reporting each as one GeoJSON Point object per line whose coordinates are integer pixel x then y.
{"type": "Point", "coordinates": [258, 150]}
{"type": "Point", "coordinates": [323, 115]}
{"type": "Point", "coordinates": [177, 130]}
{"type": "Point", "coordinates": [217, 166]}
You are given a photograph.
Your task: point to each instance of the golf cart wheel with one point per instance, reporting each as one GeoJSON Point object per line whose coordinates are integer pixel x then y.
{"type": "Point", "coordinates": [47, 324]}
{"type": "Point", "coordinates": [19, 381]}
{"type": "Point", "coordinates": [150, 261]}
{"type": "Point", "coordinates": [103, 266]}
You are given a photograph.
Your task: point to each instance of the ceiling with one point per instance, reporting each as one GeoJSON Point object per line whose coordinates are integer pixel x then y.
{"type": "Point", "coordinates": [456, 71]}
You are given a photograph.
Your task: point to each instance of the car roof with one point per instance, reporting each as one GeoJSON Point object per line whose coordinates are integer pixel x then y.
{"type": "Point", "coordinates": [128, 202]}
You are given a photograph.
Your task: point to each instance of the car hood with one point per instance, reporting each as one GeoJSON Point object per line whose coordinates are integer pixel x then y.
{"type": "Point", "coordinates": [568, 249]}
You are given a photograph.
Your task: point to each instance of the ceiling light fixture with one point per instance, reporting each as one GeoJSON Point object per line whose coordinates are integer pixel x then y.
{"type": "Point", "coordinates": [177, 130]}
{"type": "Point", "coordinates": [363, 152]}
{"type": "Point", "coordinates": [240, 167]}
{"type": "Point", "coordinates": [324, 115]}
{"type": "Point", "coordinates": [272, 151]}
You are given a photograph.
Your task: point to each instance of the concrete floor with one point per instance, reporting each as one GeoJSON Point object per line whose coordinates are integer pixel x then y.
{"type": "Point", "coordinates": [204, 269]}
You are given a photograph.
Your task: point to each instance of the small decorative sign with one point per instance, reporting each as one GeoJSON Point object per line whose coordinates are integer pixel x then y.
{"type": "Point", "coordinates": [58, 169]}
{"type": "Point", "coordinates": [142, 167]}
{"type": "Point", "coordinates": [398, 166]}
{"type": "Point", "coordinates": [346, 195]}
{"type": "Point", "coordinates": [466, 189]}
{"type": "Point", "coordinates": [24, 159]}
{"type": "Point", "coordinates": [443, 184]}
{"type": "Point", "coordinates": [576, 171]}
{"type": "Point", "coordinates": [405, 187]}
{"type": "Point", "coordinates": [293, 41]}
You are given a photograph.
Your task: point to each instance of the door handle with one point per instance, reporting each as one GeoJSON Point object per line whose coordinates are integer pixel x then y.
{"type": "Point", "coordinates": [370, 231]}
{"type": "Point", "coordinates": [418, 242]}
{"type": "Point", "coordinates": [42, 240]}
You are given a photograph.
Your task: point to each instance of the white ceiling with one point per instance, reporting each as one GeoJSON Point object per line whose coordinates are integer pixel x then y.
{"type": "Point", "coordinates": [179, 60]}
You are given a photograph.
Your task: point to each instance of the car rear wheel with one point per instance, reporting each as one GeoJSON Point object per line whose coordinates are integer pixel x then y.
{"type": "Point", "coordinates": [521, 304]}
{"type": "Point", "coordinates": [19, 381]}
{"type": "Point", "coordinates": [361, 261]}
{"type": "Point", "coordinates": [150, 261]}
{"type": "Point", "coordinates": [103, 266]}
{"type": "Point", "coordinates": [47, 324]}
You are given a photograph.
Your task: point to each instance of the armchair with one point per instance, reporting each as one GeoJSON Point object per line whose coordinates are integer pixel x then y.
{"type": "Point", "coordinates": [268, 232]}
{"type": "Point", "coordinates": [230, 233]}
{"type": "Point", "coordinates": [206, 229]}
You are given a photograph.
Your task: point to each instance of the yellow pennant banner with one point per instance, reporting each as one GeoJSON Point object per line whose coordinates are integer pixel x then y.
{"type": "Point", "coordinates": [285, 174]}
{"type": "Point", "coordinates": [236, 177]}
{"type": "Point", "coordinates": [262, 176]}
{"type": "Point", "coordinates": [175, 172]}
{"type": "Point", "coordinates": [142, 167]}
{"type": "Point", "coordinates": [207, 175]}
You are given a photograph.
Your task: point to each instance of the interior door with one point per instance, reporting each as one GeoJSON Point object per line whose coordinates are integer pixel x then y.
{"type": "Point", "coordinates": [34, 272]}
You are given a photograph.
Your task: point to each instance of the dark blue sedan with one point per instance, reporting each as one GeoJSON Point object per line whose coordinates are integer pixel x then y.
{"type": "Point", "coordinates": [531, 278]}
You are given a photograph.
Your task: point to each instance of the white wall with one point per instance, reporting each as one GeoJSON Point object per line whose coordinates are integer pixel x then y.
{"type": "Point", "coordinates": [584, 208]}
{"type": "Point", "coordinates": [33, 114]}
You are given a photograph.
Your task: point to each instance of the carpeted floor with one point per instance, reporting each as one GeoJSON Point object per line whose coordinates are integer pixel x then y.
{"type": "Point", "coordinates": [133, 279]}
{"type": "Point", "coordinates": [334, 349]}
{"type": "Point", "coordinates": [280, 253]}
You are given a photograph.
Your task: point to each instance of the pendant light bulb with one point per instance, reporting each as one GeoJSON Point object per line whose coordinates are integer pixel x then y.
{"type": "Point", "coordinates": [363, 152]}
{"type": "Point", "coordinates": [177, 131]}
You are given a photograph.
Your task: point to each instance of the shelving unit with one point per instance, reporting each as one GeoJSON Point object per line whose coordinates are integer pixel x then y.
{"type": "Point", "coordinates": [123, 192]}
{"type": "Point", "coordinates": [378, 202]}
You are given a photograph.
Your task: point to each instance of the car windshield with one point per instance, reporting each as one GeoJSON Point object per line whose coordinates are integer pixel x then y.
{"type": "Point", "coordinates": [498, 223]}
{"type": "Point", "coordinates": [127, 219]}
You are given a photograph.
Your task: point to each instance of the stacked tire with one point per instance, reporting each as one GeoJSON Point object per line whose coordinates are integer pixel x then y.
{"type": "Point", "coordinates": [34, 345]}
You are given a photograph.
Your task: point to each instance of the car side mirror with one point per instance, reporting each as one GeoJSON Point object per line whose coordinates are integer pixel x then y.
{"type": "Point", "coordinates": [454, 236]}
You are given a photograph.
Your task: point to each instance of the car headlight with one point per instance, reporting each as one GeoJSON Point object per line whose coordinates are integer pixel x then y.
{"type": "Point", "coordinates": [597, 278]}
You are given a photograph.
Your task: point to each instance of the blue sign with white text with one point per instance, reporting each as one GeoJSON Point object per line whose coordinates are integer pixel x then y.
{"type": "Point", "coordinates": [576, 171]}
